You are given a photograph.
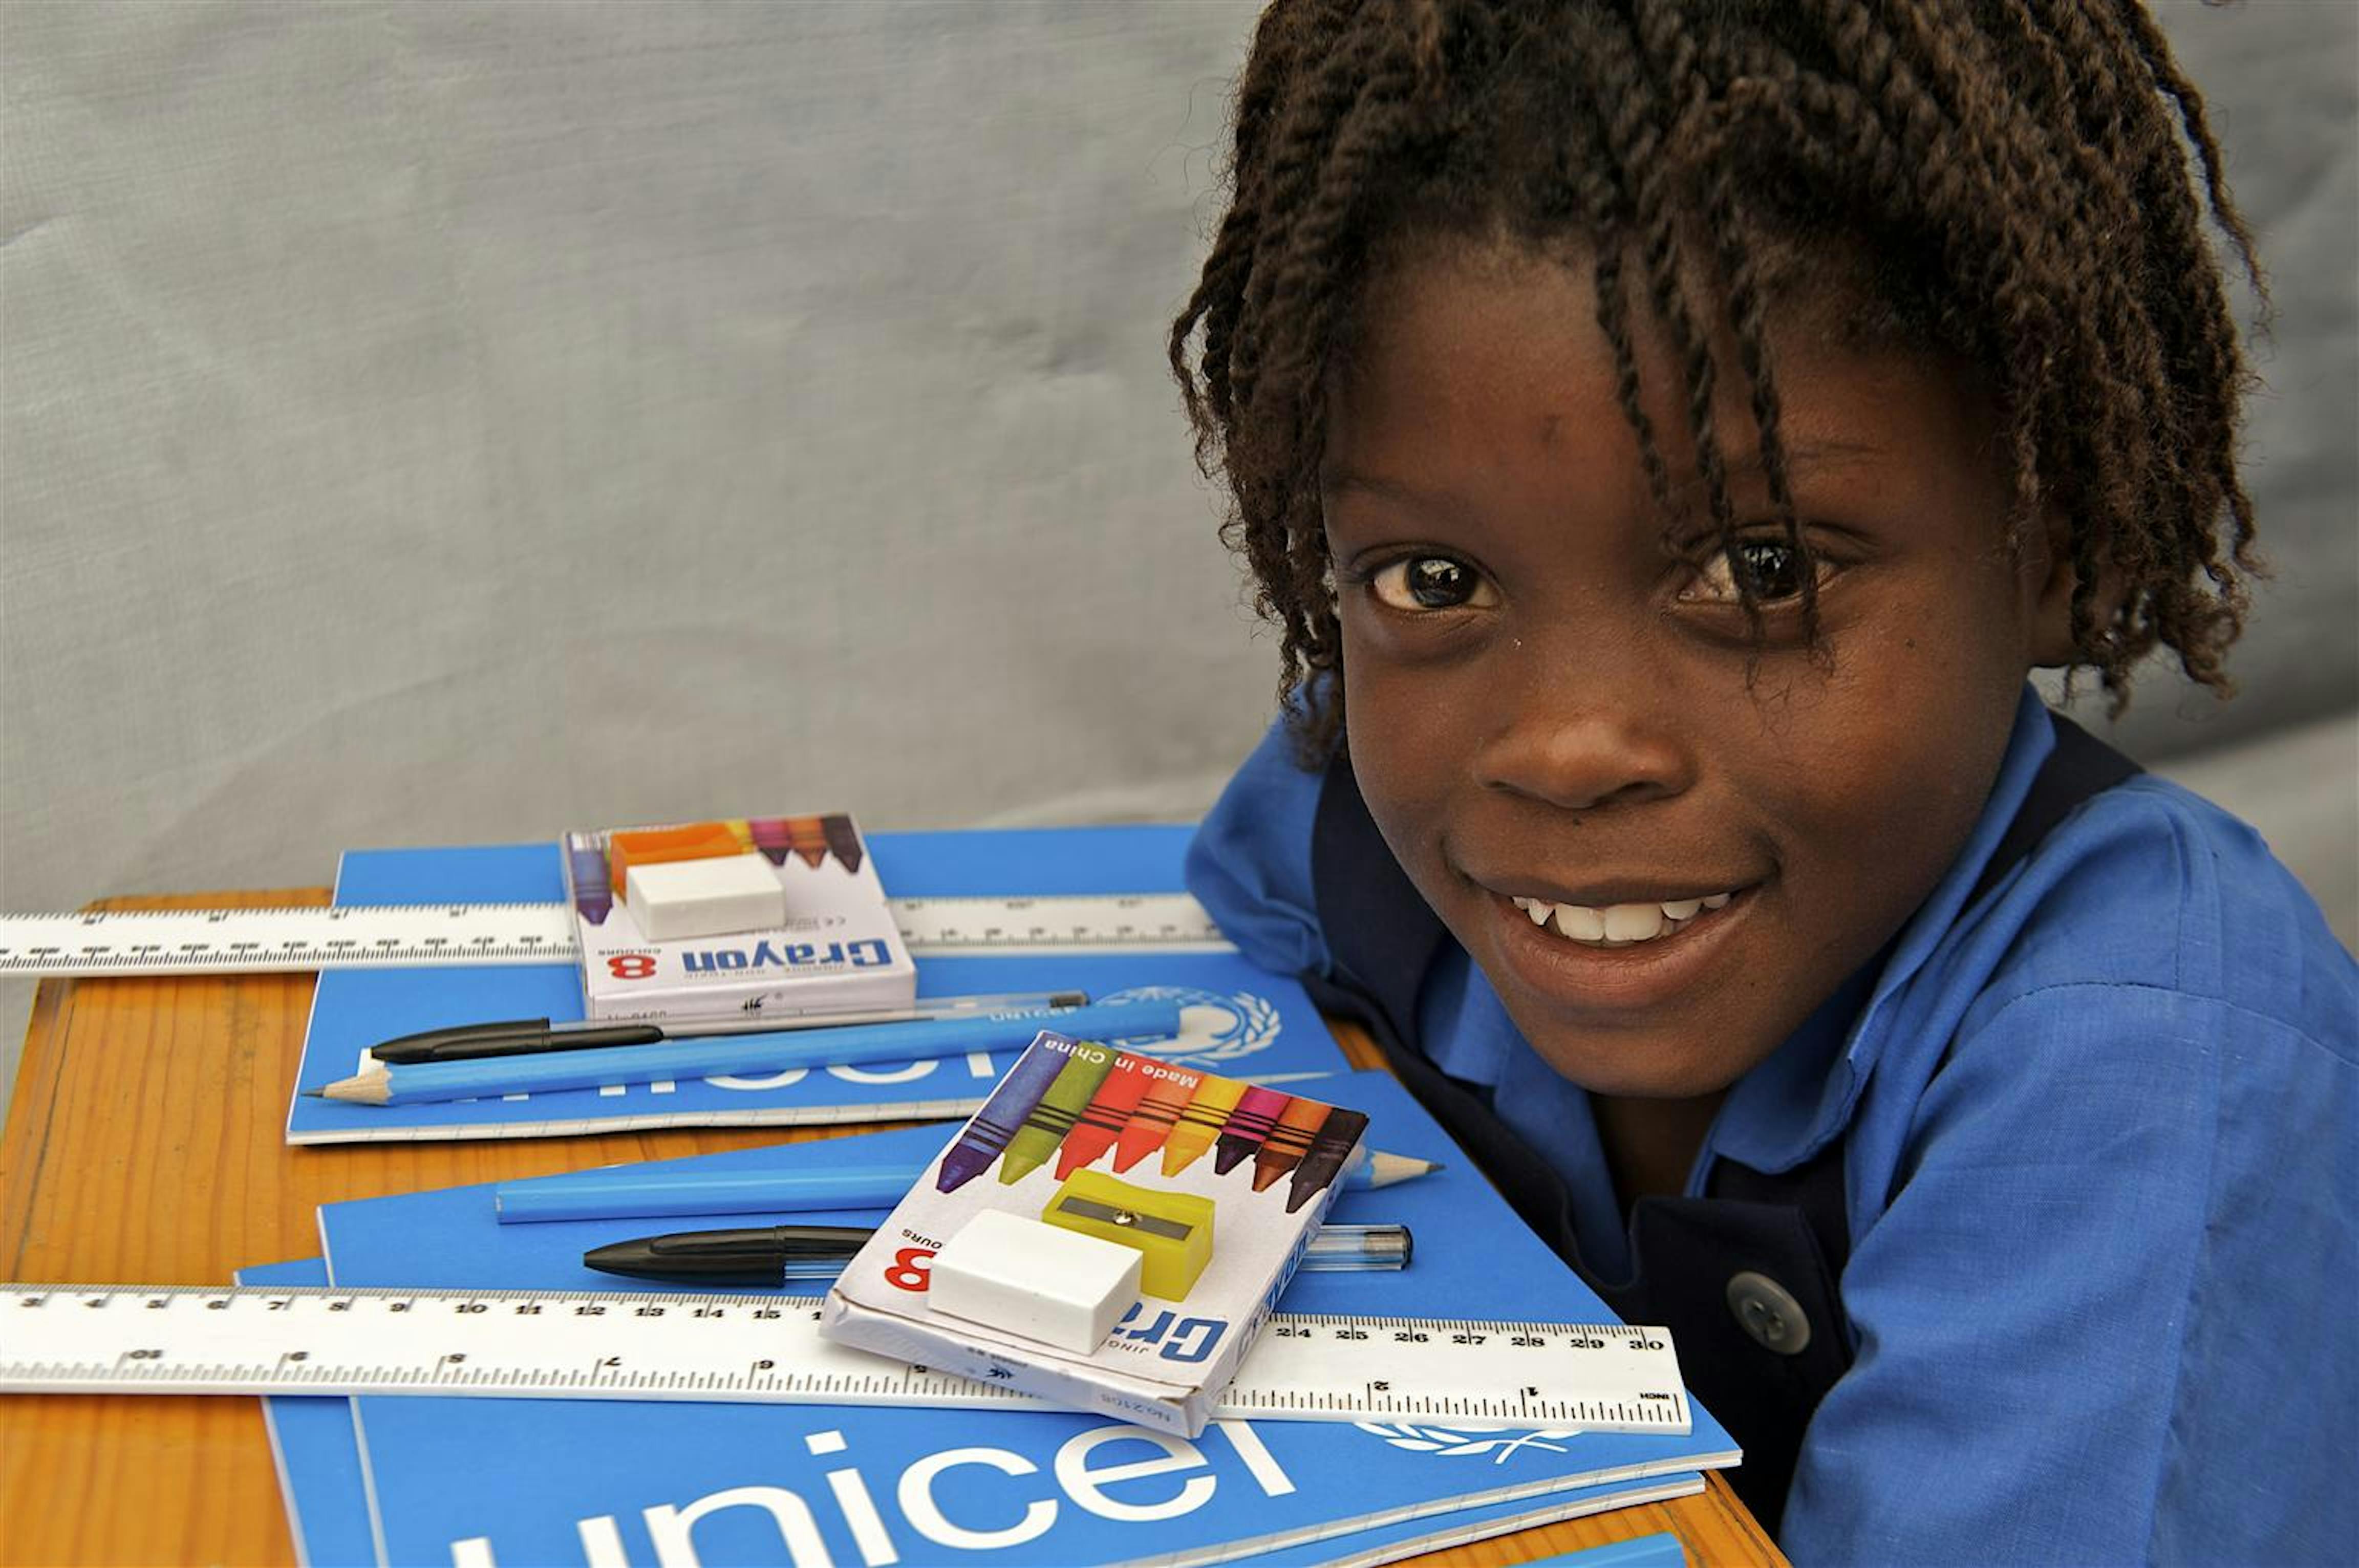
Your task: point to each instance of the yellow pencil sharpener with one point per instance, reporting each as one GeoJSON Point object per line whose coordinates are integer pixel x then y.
{"type": "Point", "coordinates": [1172, 1231]}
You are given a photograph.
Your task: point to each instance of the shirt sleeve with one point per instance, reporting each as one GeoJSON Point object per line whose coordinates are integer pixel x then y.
{"type": "Point", "coordinates": [2104, 1318]}
{"type": "Point", "coordinates": [1250, 863]}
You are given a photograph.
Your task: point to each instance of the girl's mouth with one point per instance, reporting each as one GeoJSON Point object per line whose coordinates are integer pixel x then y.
{"type": "Point", "coordinates": [1619, 925]}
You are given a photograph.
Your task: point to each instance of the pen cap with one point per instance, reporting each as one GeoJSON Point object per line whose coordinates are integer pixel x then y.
{"type": "Point", "coordinates": [1339, 1248]}
{"type": "Point", "coordinates": [751, 1253]}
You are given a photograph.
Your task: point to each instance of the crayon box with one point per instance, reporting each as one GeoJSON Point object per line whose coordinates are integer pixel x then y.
{"type": "Point", "coordinates": [1218, 1185]}
{"type": "Point", "coordinates": [825, 941]}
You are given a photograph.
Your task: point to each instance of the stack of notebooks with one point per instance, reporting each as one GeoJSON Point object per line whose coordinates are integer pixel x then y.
{"type": "Point", "coordinates": [1240, 1022]}
{"type": "Point", "coordinates": [478, 1482]}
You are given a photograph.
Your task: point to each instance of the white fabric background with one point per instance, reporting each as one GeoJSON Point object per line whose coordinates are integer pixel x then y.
{"type": "Point", "coordinates": [453, 422]}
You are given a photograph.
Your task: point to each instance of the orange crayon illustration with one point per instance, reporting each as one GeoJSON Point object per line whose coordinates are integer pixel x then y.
{"type": "Point", "coordinates": [1288, 1140]}
{"type": "Point", "coordinates": [808, 839]}
{"type": "Point", "coordinates": [1108, 1113]}
{"type": "Point", "coordinates": [650, 846]}
{"type": "Point", "coordinates": [1201, 1123]}
{"type": "Point", "coordinates": [1167, 1093]}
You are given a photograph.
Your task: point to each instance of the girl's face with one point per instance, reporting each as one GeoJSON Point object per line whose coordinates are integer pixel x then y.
{"type": "Point", "coordinates": [1664, 846]}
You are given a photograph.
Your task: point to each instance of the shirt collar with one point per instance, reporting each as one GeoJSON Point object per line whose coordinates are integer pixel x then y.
{"type": "Point", "coordinates": [1798, 1101]}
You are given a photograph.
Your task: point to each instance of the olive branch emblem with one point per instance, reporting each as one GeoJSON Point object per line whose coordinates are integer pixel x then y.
{"type": "Point", "coordinates": [1450, 1444]}
{"type": "Point", "coordinates": [1251, 1026]}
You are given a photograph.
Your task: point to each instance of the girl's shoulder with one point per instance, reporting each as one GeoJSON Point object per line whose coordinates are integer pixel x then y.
{"type": "Point", "coordinates": [2150, 886]}
{"type": "Point", "coordinates": [2150, 1013]}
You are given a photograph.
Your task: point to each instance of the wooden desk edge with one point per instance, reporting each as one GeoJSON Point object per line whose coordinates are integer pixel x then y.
{"type": "Point", "coordinates": [155, 1480]}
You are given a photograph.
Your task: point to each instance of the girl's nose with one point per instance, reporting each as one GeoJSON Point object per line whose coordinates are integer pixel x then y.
{"type": "Point", "coordinates": [1585, 730]}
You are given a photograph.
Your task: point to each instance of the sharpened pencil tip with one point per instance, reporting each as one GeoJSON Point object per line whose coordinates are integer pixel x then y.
{"type": "Point", "coordinates": [313, 1094]}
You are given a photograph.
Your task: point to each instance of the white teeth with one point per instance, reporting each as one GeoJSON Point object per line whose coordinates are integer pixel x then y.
{"type": "Point", "coordinates": [1633, 922]}
{"type": "Point", "coordinates": [1580, 923]}
{"type": "Point", "coordinates": [1617, 925]}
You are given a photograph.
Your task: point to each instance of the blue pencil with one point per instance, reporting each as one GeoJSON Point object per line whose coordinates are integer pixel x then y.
{"type": "Point", "coordinates": [743, 1054]}
{"type": "Point", "coordinates": [654, 1191]}
{"type": "Point", "coordinates": [630, 1193]}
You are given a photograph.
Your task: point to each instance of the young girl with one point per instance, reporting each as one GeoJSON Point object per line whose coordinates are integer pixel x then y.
{"type": "Point", "coordinates": [1667, 435]}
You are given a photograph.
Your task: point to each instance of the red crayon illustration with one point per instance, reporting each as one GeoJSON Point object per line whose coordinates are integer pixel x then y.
{"type": "Point", "coordinates": [1288, 1140]}
{"type": "Point", "coordinates": [1167, 1093]}
{"type": "Point", "coordinates": [1107, 1113]}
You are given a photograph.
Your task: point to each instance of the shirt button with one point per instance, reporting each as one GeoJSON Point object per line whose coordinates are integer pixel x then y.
{"type": "Point", "coordinates": [1769, 1313]}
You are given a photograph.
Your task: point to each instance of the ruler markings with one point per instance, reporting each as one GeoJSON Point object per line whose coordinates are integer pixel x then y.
{"type": "Point", "coordinates": [305, 938]}
{"type": "Point", "coordinates": [195, 1339]}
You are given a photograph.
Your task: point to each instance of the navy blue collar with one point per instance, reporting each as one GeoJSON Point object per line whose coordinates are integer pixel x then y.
{"type": "Point", "coordinates": [1801, 1098]}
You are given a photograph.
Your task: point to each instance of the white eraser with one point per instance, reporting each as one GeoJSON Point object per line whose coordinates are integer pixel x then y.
{"type": "Point", "coordinates": [715, 897]}
{"type": "Point", "coordinates": [1037, 1279]}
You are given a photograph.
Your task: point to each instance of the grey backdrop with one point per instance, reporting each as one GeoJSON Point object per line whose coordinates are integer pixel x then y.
{"type": "Point", "coordinates": [451, 422]}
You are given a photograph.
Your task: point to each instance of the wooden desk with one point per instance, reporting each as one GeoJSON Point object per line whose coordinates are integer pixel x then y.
{"type": "Point", "coordinates": [144, 1146]}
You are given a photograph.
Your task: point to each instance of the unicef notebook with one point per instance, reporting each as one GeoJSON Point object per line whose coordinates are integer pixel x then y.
{"type": "Point", "coordinates": [480, 1482]}
{"type": "Point", "coordinates": [1238, 1020]}
{"type": "Point", "coordinates": [317, 1453]}
{"type": "Point", "coordinates": [316, 1448]}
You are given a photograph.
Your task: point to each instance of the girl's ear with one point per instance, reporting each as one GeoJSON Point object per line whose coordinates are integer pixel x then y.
{"type": "Point", "coordinates": [2047, 579]}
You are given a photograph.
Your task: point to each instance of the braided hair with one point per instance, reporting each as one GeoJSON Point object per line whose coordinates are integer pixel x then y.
{"type": "Point", "coordinates": [2008, 181]}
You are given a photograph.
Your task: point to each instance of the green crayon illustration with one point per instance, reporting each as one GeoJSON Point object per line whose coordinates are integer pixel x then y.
{"type": "Point", "coordinates": [1036, 1141]}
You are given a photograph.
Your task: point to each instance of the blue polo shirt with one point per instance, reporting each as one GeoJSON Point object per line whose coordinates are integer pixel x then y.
{"type": "Point", "coordinates": [2101, 1135]}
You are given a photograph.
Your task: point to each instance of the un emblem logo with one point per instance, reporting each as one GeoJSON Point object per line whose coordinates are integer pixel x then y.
{"type": "Point", "coordinates": [1212, 1028]}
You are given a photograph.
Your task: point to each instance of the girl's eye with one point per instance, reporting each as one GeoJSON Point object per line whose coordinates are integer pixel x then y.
{"type": "Point", "coordinates": [1429, 583]}
{"type": "Point", "coordinates": [1768, 572]}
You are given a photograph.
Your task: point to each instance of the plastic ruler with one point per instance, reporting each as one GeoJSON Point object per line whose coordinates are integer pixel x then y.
{"type": "Point", "coordinates": [129, 1339]}
{"type": "Point", "coordinates": [190, 942]}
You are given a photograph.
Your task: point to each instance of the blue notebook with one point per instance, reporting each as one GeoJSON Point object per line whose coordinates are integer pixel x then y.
{"type": "Point", "coordinates": [316, 1448]}
{"type": "Point", "coordinates": [317, 1452]}
{"type": "Point", "coordinates": [478, 1482]}
{"type": "Point", "coordinates": [1239, 1021]}
{"type": "Point", "coordinates": [1658, 1551]}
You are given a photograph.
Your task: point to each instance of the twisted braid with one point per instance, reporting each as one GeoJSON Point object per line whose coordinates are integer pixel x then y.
{"type": "Point", "coordinates": [2024, 185]}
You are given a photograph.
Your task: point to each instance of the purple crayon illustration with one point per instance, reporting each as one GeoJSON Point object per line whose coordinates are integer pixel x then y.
{"type": "Point", "coordinates": [988, 1133]}
{"type": "Point", "coordinates": [770, 837]}
{"type": "Point", "coordinates": [593, 896]}
{"type": "Point", "coordinates": [1257, 1111]}
{"type": "Point", "coordinates": [843, 840]}
{"type": "Point", "coordinates": [1330, 1147]}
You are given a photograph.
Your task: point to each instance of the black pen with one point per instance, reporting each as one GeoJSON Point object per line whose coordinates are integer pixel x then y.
{"type": "Point", "coordinates": [533, 1037]}
{"type": "Point", "coordinates": [758, 1255]}
{"type": "Point", "coordinates": [783, 1255]}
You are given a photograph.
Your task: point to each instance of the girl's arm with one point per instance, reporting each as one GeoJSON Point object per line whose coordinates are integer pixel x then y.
{"type": "Point", "coordinates": [1250, 863]}
{"type": "Point", "coordinates": [2106, 1315]}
